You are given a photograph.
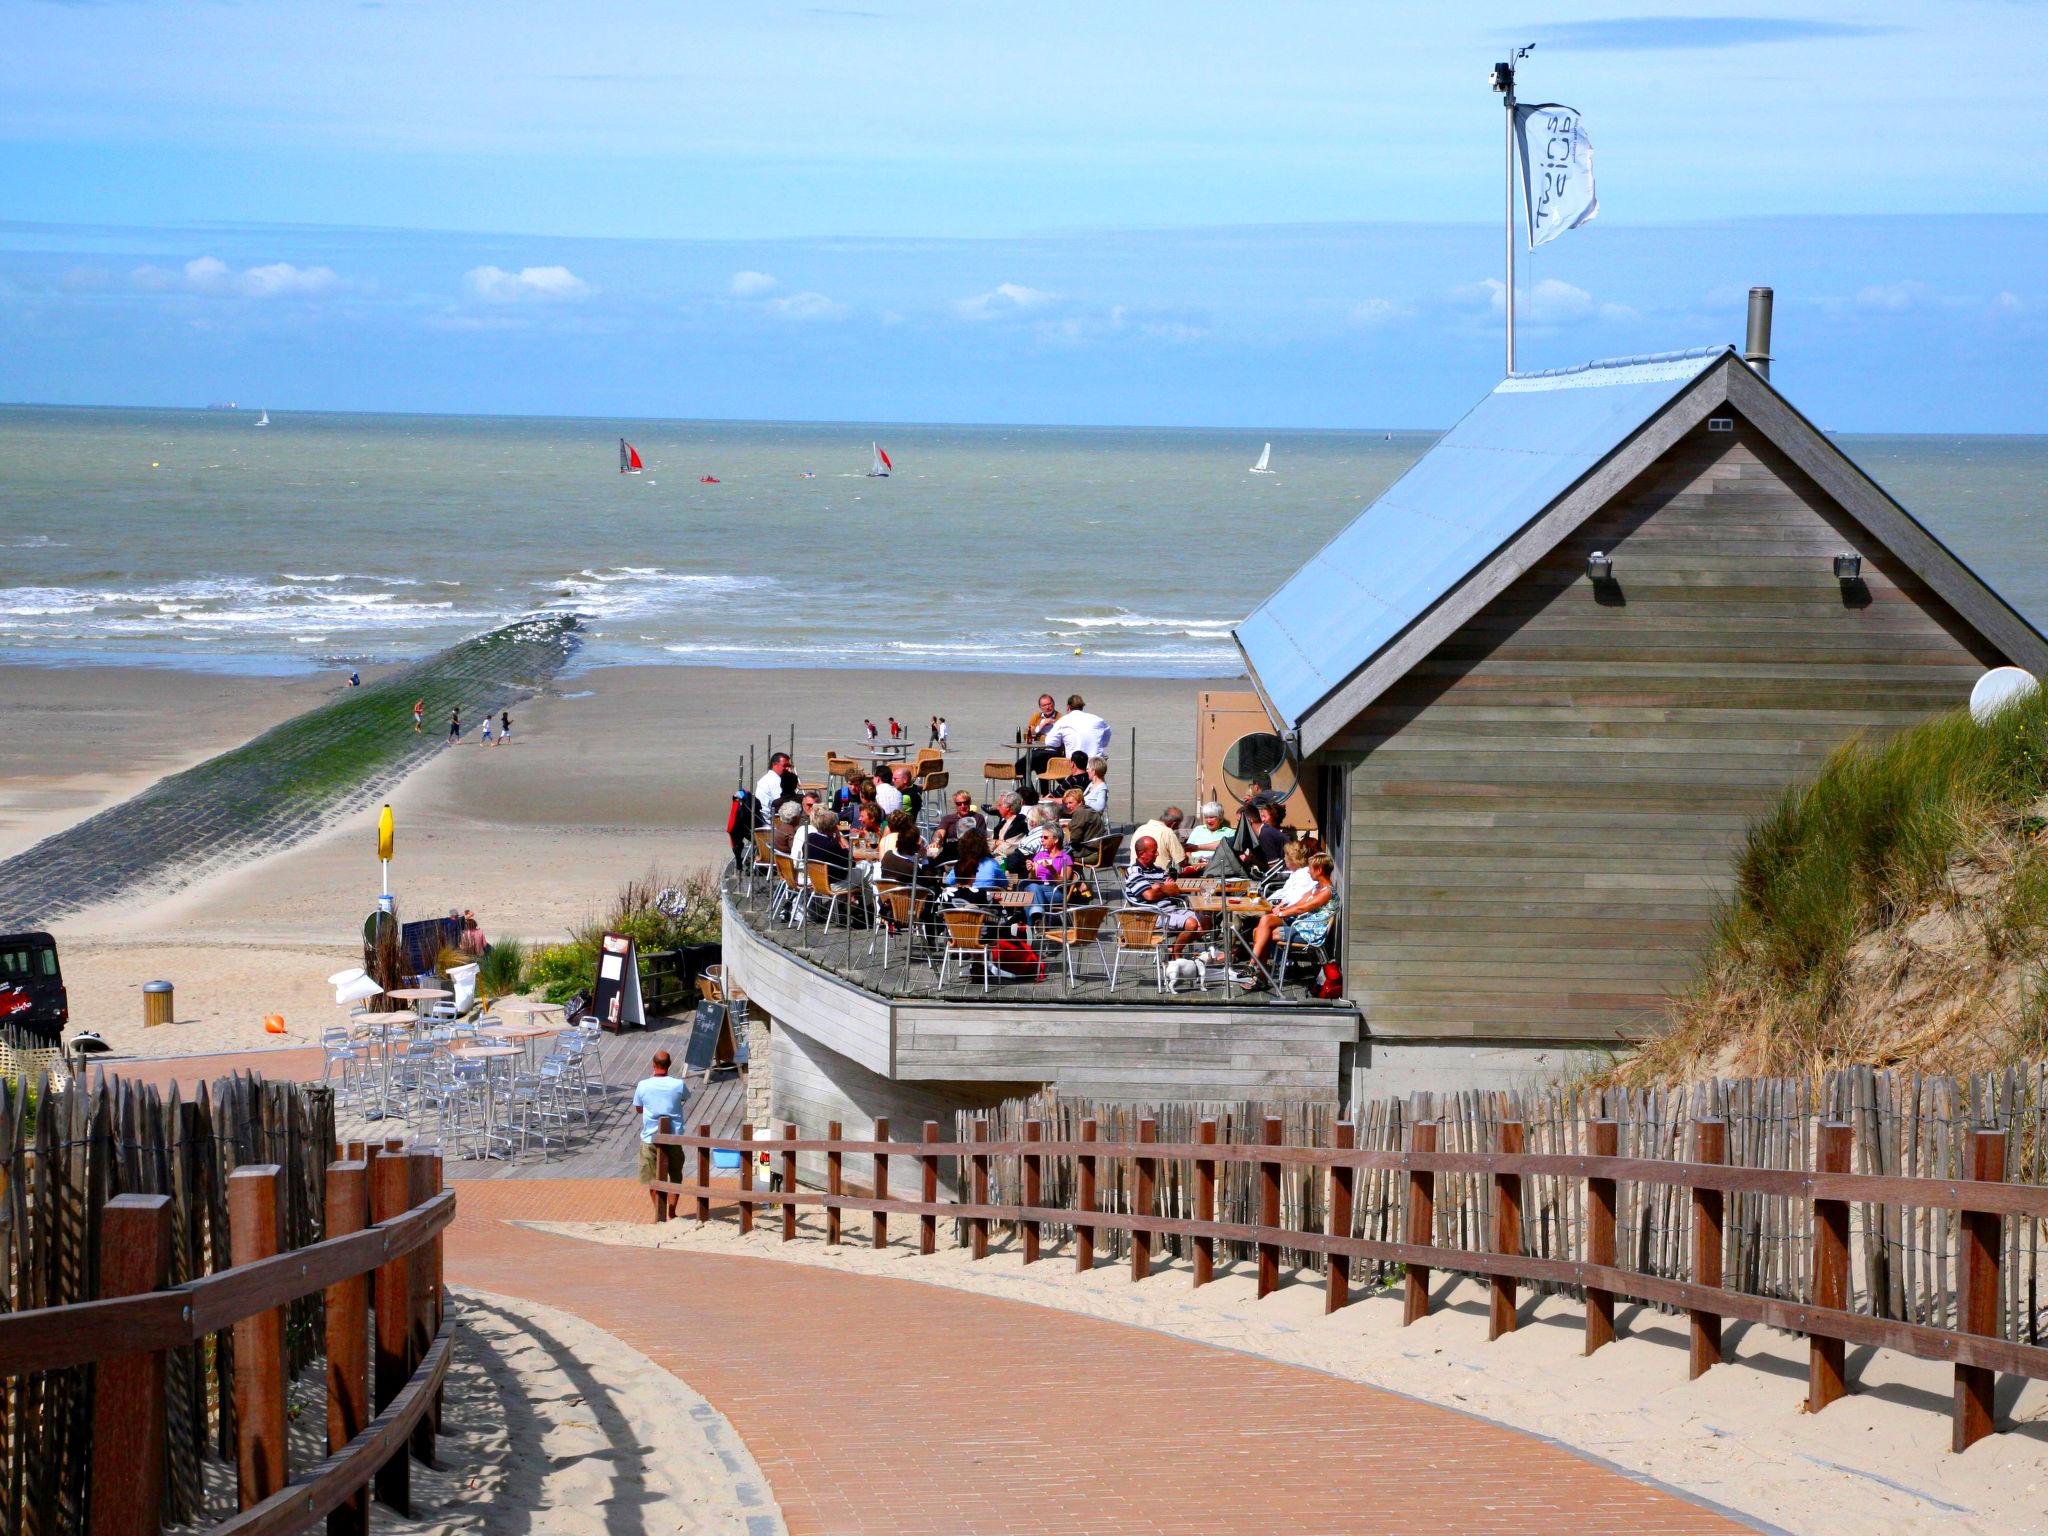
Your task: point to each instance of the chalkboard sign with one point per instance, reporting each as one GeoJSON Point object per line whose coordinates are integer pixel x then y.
{"type": "Point", "coordinates": [616, 1001]}
{"type": "Point", "coordinates": [712, 1046]}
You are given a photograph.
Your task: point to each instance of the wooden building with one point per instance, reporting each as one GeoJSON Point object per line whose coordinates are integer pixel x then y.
{"type": "Point", "coordinates": [1539, 689]}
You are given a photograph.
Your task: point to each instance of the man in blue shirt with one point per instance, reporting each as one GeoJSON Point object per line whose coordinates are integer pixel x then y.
{"type": "Point", "coordinates": [657, 1097]}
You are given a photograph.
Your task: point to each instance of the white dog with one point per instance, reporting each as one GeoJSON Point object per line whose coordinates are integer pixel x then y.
{"type": "Point", "coordinates": [1183, 971]}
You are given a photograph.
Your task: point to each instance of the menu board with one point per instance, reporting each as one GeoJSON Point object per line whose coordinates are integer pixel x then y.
{"type": "Point", "coordinates": [616, 1003]}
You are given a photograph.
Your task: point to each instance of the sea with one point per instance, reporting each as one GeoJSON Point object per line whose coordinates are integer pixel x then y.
{"type": "Point", "coordinates": [197, 539]}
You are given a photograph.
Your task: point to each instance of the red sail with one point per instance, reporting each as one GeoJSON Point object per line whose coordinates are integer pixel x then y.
{"type": "Point", "coordinates": [885, 458]}
{"type": "Point", "coordinates": [633, 457]}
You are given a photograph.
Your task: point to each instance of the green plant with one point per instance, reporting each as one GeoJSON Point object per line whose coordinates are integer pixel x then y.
{"type": "Point", "coordinates": [655, 912]}
{"type": "Point", "coordinates": [500, 969]}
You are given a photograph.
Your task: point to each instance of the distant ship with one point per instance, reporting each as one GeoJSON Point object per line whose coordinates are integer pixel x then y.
{"type": "Point", "coordinates": [880, 467]}
{"type": "Point", "coordinates": [263, 420]}
{"type": "Point", "coordinates": [629, 459]}
{"type": "Point", "coordinates": [707, 479]}
{"type": "Point", "coordinates": [1265, 457]}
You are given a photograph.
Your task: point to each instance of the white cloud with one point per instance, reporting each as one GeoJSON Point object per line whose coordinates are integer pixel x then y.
{"type": "Point", "coordinates": [1891, 297]}
{"type": "Point", "coordinates": [2007, 303]}
{"type": "Point", "coordinates": [805, 306]}
{"type": "Point", "coordinates": [1548, 302]}
{"type": "Point", "coordinates": [1374, 312]}
{"type": "Point", "coordinates": [494, 285]}
{"type": "Point", "coordinates": [751, 285]}
{"type": "Point", "coordinates": [1002, 300]}
{"type": "Point", "coordinates": [211, 275]}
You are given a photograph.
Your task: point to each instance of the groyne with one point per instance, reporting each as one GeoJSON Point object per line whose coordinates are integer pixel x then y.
{"type": "Point", "coordinates": [282, 786]}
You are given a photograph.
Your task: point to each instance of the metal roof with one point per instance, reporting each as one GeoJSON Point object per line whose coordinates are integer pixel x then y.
{"type": "Point", "coordinates": [1513, 455]}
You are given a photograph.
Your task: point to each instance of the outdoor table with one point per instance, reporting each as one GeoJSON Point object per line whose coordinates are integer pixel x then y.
{"type": "Point", "coordinates": [416, 996]}
{"type": "Point", "coordinates": [488, 1054]}
{"type": "Point", "coordinates": [519, 1037]}
{"type": "Point", "coordinates": [383, 1024]}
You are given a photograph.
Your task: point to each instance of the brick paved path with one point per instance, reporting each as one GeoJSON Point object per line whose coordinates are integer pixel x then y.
{"type": "Point", "coordinates": [885, 1405]}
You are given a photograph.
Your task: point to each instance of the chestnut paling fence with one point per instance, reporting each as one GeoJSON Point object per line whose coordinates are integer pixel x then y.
{"type": "Point", "coordinates": [1059, 1186]}
{"type": "Point", "coordinates": [170, 1268]}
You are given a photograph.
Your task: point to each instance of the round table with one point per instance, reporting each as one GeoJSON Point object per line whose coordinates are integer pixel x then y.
{"type": "Point", "coordinates": [488, 1054]}
{"type": "Point", "coordinates": [384, 1023]}
{"type": "Point", "coordinates": [524, 1034]}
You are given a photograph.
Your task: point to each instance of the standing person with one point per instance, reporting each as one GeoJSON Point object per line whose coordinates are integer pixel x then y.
{"type": "Point", "coordinates": [504, 726]}
{"type": "Point", "coordinates": [895, 729]}
{"type": "Point", "coordinates": [934, 732]}
{"type": "Point", "coordinates": [487, 728]}
{"type": "Point", "coordinates": [419, 715]}
{"type": "Point", "coordinates": [768, 791]}
{"type": "Point", "coordinates": [944, 732]}
{"type": "Point", "coordinates": [869, 727]}
{"type": "Point", "coordinates": [658, 1096]}
{"type": "Point", "coordinates": [455, 723]}
{"type": "Point", "coordinates": [1079, 733]}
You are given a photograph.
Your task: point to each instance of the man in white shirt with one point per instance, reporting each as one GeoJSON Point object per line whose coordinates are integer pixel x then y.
{"type": "Point", "coordinates": [768, 788]}
{"type": "Point", "coordinates": [889, 791]}
{"type": "Point", "coordinates": [1078, 732]}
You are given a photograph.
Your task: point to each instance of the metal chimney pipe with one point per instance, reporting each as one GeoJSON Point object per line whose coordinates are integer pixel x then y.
{"type": "Point", "coordinates": [1757, 352]}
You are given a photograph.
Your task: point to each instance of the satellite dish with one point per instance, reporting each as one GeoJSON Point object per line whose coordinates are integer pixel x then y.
{"type": "Point", "coordinates": [1998, 688]}
{"type": "Point", "coordinates": [1258, 763]}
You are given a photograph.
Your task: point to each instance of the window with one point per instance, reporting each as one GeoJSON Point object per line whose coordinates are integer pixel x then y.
{"type": "Point", "coordinates": [21, 964]}
{"type": "Point", "coordinates": [1720, 423]}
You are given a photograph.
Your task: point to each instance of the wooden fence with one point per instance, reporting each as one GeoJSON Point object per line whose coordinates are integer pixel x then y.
{"type": "Point", "coordinates": [1600, 1266]}
{"type": "Point", "coordinates": [169, 1268]}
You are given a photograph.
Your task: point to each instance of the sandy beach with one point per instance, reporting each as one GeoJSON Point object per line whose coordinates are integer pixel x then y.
{"type": "Point", "coordinates": [615, 773]}
{"type": "Point", "coordinates": [1740, 1436]}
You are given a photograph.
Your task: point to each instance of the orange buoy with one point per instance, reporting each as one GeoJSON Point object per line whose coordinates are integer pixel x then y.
{"type": "Point", "coordinates": [273, 1023]}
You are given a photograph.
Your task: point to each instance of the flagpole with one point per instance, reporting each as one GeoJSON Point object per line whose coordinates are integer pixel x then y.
{"type": "Point", "coordinates": [1508, 96]}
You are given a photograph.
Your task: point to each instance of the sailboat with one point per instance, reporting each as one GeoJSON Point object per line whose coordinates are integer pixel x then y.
{"type": "Point", "coordinates": [263, 420]}
{"type": "Point", "coordinates": [629, 459]}
{"type": "Point", "coordinates": [1265, 457]}
{"type": "Point", "coordinates": [880, 467]}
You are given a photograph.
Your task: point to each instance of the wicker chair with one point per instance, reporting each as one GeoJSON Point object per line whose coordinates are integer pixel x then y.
{"type": "Point", "coordinates": [1082, 928]}
{"type": "Point", "coordinates": [966, 939]}
{"type": "Point", "coordinates": [1137, 933]}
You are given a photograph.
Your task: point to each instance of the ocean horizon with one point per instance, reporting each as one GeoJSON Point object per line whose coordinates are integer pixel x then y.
{"type": "Point", "coordinates": [189, 537]}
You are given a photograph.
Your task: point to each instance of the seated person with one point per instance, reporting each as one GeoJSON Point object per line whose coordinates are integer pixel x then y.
{"type": "Point", "coordinates": [1036, 819]}
{"type": "Point", "coordinates": [826, 846]}
{"type": "Point", "coordinates": [1305, 918]}
{"type": "Point", "coordinates": [768, 790]}
{"type": "Point", "coordinates": [847, 796]}
{"type": "Point", "coordinates": [1036, 753]}
{"type": "Point", "coordinates": [959, 819]}
{"type": "Point", "coordinates": [1064, 774]}
{"type": "Point", "coordinates": [1085, 828]}
{"type": "Point", "coordinates": [867, 823]}
{"type": "Point", "coordinates": [1010, 823]}
{"type": "Point", "coordinates": [1149, 888]}
{"type": "Point", "coordinates": [1210, 832]}
{"type": "Point", "coordinates": [787, 817]}
{"type": "Point", "coordinates": [1271, 837]}
{"type": "Point", "coordinates": [902, 859]}
{"type": "Point", "coordinates": [1095, 793]}
{"type": "Point", "coordinates": [1164, 829]}
{"type": "Point", "coordinates": [975, 875]}
{"type": "Point", "coordinates": [889, 795]}
{"type": "Point", "coordinates": [1048, 869]}
{"type": "Point", "coordinates": [1079, 733]}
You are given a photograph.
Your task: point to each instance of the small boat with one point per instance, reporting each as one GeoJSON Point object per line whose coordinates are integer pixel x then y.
{"type": "Point", "coordinates": [810, 474]}
{"type": "Point", "coordinates": [1265, 458]}
{"type": "Point", "coordinates": [879, 467]}
{"type": "Point", "coordinates": [707, 479]}
{"type": "Point", "coordinates": [629, 459]}
{"type": "Point", "coordinates": [263, 420]}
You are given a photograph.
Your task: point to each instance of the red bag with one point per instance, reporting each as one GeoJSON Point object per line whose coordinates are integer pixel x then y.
{"type": "Point", "coordinates": [1329, 980]}
{"type": "Point", "coordinates": [1016, 960]}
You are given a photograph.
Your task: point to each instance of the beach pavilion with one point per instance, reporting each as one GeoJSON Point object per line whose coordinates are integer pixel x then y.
{"type": "Point", "coordinates": [1541, 687]}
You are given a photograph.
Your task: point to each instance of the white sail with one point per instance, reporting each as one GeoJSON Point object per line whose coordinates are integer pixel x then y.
{"type": "Point", "coordinates": [878, 466]}
{"type": "Point", "coordinates": [1265, 457]}
{"type": "Point", "coordinates": [263, 420]}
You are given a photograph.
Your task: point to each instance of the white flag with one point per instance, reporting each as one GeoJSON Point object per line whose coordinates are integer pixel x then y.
{"type": "Point", "coordinates": [1557, 170]}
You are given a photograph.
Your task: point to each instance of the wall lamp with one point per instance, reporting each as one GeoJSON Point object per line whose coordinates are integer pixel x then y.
{"type": "Point", "coordinates": [1600, 567]}
{"type": "Point", "coordinates": [1848, 567]}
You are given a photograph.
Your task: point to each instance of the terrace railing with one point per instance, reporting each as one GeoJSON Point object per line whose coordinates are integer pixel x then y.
{"type": "Point", "coordinates": [1984, 1201]}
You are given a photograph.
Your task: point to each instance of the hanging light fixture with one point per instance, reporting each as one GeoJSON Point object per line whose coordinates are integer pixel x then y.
{"type": "Point", "coordinates": [1599, 567]}
{"type": "Point", "coordinates": [1848, 567]}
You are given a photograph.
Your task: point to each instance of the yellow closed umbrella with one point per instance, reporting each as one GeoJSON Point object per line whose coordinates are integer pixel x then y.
{"type": "Point", "coordinates": [385, 832]}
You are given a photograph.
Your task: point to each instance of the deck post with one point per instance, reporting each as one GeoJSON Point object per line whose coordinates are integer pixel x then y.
{"type": "Point", "coordinates": [746, 1177]}
{"type": "Point", "coordinates": [977, 1226]}
{"type": "Point", "coordinates": [928, 1165]}
{"type": "Point", "coordinates": [1421, 1223]}
{"type": "Point", "coordinates": [1606, 1139]}
{"type": "Point", "coordinates": [391, 1290]}
{"type": "Point", "coordinates": [1507, 1232]}
{"type": "Point", "coordinates": [254, 1210]}
{"type": "Point", "coordinates": [127, 1456]}
{"type": "Point", "coordinates": [1084, 1203]}
{"type": "Point", "coordinates": [1034, 1185]}
{"type": "Point", "coordinates": [881, 1181]}
{"type": "Point", "coordinates": [423, 1170]}
{"type": "Point", "coordinates": [1826, 1368]}
{"type": "Point", "coordinates": [1142, 1185]}
{"type": "Point", "coordinates": [1269, 1208]}
{"type": "Point", "coordinates": [1978, 1292]}
{"type": "Point", "coordinates": [1205, 1204]}
{"type": "Point", "coordinates": [703, 1178]}
{"type": "Point", "coordinates": [835, 1182]}
{"type": "Point", "coordinates": [347, 1307]}
{"type": "Point", "coordinates": [1343, 1178]}
{"type": "Point", "coordinates": [788, 1185]}
{"type": "Point", "coordinates": [1709, 1145]}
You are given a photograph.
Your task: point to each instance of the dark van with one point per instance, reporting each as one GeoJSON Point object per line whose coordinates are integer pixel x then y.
{"type": "Point", "coordinates": [32, 1000]}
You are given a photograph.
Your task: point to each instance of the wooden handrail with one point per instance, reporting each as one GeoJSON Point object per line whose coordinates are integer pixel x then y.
{"type": "Point", "coordinates": [85, 1332]}
{"type": "Point", "coordinates": [1973, 1349]}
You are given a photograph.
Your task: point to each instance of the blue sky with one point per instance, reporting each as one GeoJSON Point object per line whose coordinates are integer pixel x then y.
{"type": "Point", "coordinates": [1181, 213]}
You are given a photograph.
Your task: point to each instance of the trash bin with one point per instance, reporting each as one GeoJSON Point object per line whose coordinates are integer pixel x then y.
{"type": "Point", "coordinates": [156, 1002]}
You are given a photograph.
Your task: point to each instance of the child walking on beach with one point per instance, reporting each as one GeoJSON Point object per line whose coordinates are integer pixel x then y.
{"type": "Point", "coordinates": [935, 732]}
{"type": "Point", "coordinates": [455, 723]}
{"type": "Point", "coordinates": [419, 715]}
{"type": "Point", "coordinates": [504, 726]}
{"type": "Point", "coordinates": [487, 729]}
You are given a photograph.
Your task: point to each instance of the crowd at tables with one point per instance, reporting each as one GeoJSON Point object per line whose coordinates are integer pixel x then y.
{"type": "Point", "coordinates": [897, 849]}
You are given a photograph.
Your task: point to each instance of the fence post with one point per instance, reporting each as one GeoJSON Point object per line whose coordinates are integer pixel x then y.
{"type": "Point", "coordinates": [1978, 1292]}
{"type": "Point", "coordinates": [1269, 1208]}
{"type": "Point", "coordinates": [347, 1305]}
{"type": "Point", "coordinates": [1034, 1187]}
{"type": "Point", "coordinates": [703, 1178]}
{"type": "Point", "coordinates": [1826, 1374]}
{"type": "Point", "coordinates": [1606, 1138]}
{"type": "Point", "coordinates": [1709, 1145]}
{"type": "Point", "coordinates": [1421, 1223]}
{"type": "Point", "coordinates": [390, 1194]}
{"type": "Point", "coordinates": [788, 1184]}
{"type": "Point", "coordinates": [835, 1182]}
{"type": "Point", "coordinates": [1142, 1201]}
{"type": "Point", "coordinates": [127, 1459]}
{"type": "Point", "coordinates": [928, 1169]}
{"type": "Point", "coordinates": [746, 1177]}
{"type": "Point", "coordinates": [260, 1465]}
{"type": "Point", "coordinates": [1084, 1202]}
{"type": "Point", "coordinates": [881, 1134]}
{"type": "Point", "coordinates": [1205, 1204]}
{"type": "Point", "coordinates": [424, 1180]}
{"type": "Point", "coordinates": [1337, 1285]}
{"type": "Point", "coordinates": [1507, 1232]}
{"type": "Point", "coordinates": [977, 1226]}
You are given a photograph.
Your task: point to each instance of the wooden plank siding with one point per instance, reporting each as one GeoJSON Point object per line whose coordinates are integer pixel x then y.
{"type": "Point", "coordinates": [1541, 813]}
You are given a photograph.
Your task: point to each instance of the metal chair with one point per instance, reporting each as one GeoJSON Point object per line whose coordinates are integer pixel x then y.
{"type": "Point", "coordinates": [966, 939]}
{"type": "Point", "coordinates": [1137, 933]}
{"type": "Point", "coordinates": [837, 898]}
{"type": "Point", "coordinates": [1082, 927]}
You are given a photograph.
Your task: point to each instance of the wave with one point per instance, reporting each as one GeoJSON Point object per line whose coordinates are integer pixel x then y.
{"type": "Point", "coordinates": [1125, 620]}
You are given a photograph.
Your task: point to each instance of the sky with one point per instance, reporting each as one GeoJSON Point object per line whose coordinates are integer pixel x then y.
{"type": "Point", "coordinates": [1146, 213]}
